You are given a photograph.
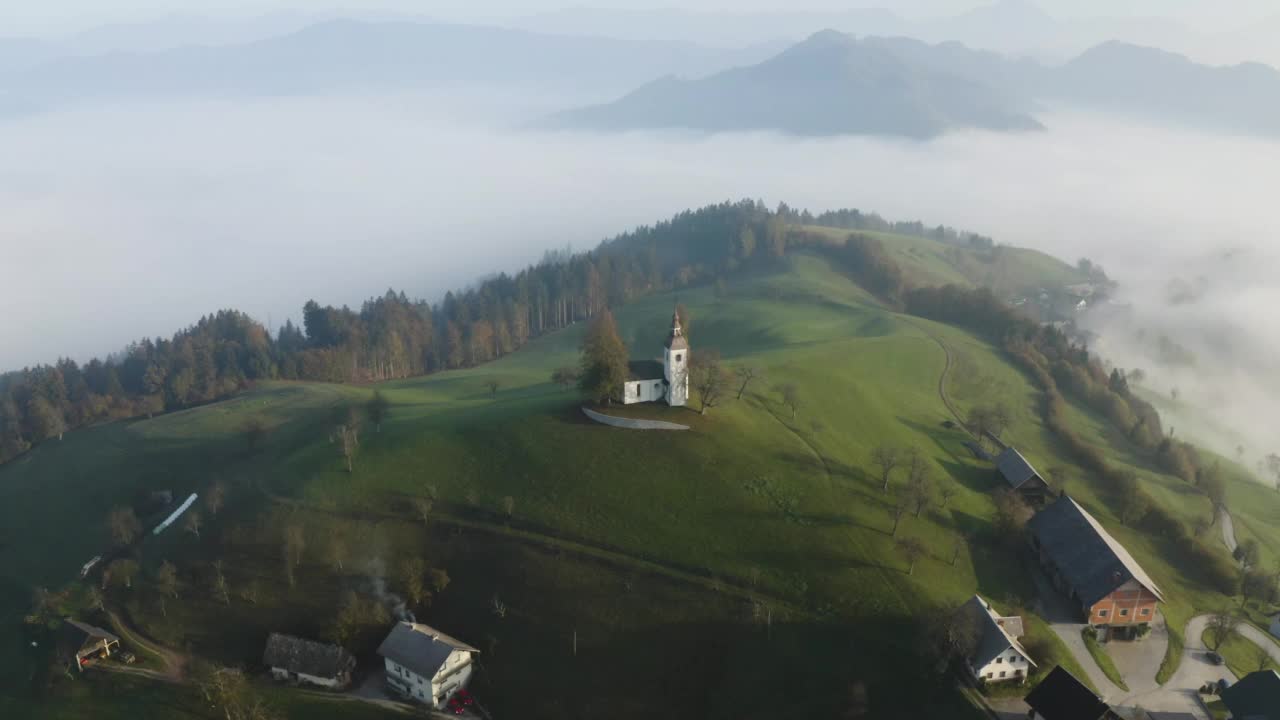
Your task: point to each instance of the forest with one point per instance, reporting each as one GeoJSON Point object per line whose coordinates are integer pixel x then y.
{"type": "Point", "coordinates": [392, 336]}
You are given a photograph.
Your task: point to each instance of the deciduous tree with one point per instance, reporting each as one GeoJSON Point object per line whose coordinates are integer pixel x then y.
{"type": "Point", "coordinates": [911, 550]}
{"type": "Point", "coordinates": [604, 360]}
{"type": "Point", "coordinates": [376, 409]}
{"type": "Point", "coordinates": [709, 377]}
{"type": "Point", "coordinates": [167, 579]}
{"type": "Point", "coordinates": [124, 525]}
{"type": "Point", "coordinates": [745, 374]}
{"type": "Point", "coordinates": [887, 459]}
{"type": "Point", "coordinates": [1221, 625]}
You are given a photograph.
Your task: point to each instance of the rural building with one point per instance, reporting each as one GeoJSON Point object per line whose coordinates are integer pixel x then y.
{"type": "Point", "coordinates": [1255, 697]}
{"type": "Point", "coordinates": [82, 643]}
{"type": "Point", "coordinates": [666, 381]}
{"type": "Point", "coordinates": [1114, 593]}
{"type": "Point", "coordinates": [997, 655]}
{"type": "Point", "coordinates": [1060, 696]}
{"type": "Point", "coordinates": [296, 660]}
{"type": "Point", "coordinates": [425, 664]}
{"type": "Point", "coordinates": [1022, 477]}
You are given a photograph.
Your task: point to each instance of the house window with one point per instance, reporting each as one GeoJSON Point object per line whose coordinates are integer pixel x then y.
{"type": "Point", "coordinates": [988, 676]}
{"type": "Point", "coordinates": [1001, 673]}
{"type": "Point", "coordinates": [1102, 613]}
{"type": "Point", "coordinates": [657, 386]}
{"type": "Point", "coordinates": [1017, 673]}
{"type": "Point", "coordinates": [1124, 612]}
{"type": "Point", "coordinates": [999, 659]}
{"type": "Point", "coordinates": [1146, 611]}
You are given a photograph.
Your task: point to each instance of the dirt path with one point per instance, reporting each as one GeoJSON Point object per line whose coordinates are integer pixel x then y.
{"type": "Point", "coordinates": [1228, 529]}
{"type": "Point", "coordinates": [175, 663]}
{"type": "Point", "coordinates": [946, 370]}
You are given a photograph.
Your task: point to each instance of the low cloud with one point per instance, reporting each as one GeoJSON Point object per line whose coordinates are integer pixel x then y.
{"type": "Point", "coordinates": [133, 220]}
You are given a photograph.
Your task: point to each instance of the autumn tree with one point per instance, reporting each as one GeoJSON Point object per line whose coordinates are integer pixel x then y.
{"type": "Point", "coordinates": [337, 550]}
{"type": "Point", "coordinates": [604, 360]}
{"type": "Point", "coordinates": [376, 409]}
{"type": "Point", "coordinates": [1221, 625]}
{"type": "Point", "coordinates": [1134, 501]}
{"type": "Point", "coordinates": [124, 525]}
{"type": "Point", "coordinates": [709, 378]}
{"type": "Point", "coordinates": [413, 579]}
{"type": "Point", "coordinates": [220, 582]}
{"type": "Point", "coordinates": [887, 459]}
{"type": "Point", "coordinates": [438, 579]}
{"type": "Point", "coordinates": [423, 507]}
{"type": "Point", "coordinates": [121, 571]}
{"type": "Point", "coordinates": [911, 550]}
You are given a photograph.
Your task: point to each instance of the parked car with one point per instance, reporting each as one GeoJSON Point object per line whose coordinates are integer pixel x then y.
{"type": "Point", "coordinates": [455, 706]}
{"type": "Point", "coordinates": [1213, 657]}
{"type": "Point", "coordinates": [128, 658]}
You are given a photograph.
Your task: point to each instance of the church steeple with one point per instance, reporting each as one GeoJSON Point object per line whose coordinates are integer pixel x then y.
{"type": "Point", "coordinates": [676, 339]}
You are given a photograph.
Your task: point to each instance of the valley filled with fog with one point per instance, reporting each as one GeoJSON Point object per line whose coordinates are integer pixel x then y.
{"type": "Point", "coordinates": [163, 211]}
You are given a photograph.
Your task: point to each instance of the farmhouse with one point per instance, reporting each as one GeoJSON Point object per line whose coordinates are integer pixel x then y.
{"type": "Point", "coordinates": [997, 655]}
{"type": "Point", "coordinates": [1060, 696]}
{"type": "Point", "coordinates": [82, 643]}
{"type": "Point", "coordinates": [1255, 697]}
{"type": "Point", "coordinates": [424, 664]}
{"type": "Point", "coordinates": [1114, 593]}
{"type": "Point", "coordinates": [1022, 477]}
{"type": "Point", "coordinates": [294, 659]}
{"type": "Point", "coordinates": [666, 381]}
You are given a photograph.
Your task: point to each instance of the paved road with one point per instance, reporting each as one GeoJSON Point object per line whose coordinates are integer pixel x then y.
{"type": "Point", "coordinates": [1228, 529]}
{"type": "Point", "coordinates": [1261, 639]}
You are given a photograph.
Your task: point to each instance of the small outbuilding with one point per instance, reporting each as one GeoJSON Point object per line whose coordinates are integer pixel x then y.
{"type": "Point", "coordinates": [997, 655]}
{"type": "Point", "coordinates": [82, 643]}
{"type": "Point", "coordinates": [1060, 696]}
{"type": "Point", "coordinates": [1022, 477]}
{"type": "Point", "coordinates": [296, 660]}
{"type": "Point", "coordinates": [1255, 697]}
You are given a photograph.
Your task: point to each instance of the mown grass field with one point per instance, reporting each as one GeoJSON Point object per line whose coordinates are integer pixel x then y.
{"type": "Point", "coordinates": [700, 571]}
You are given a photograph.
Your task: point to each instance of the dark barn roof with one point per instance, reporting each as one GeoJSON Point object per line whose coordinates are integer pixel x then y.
{"type": "Point", "coordinates": [1015, 468]}
{"type": "Point", "coordinates": [644, 370]}
{"type": "Point", "coordinates": [1086, 554]}
{"type": "Point", "coordinates": [421, 648]}
{"type": "Point", "coordinates": [1255, 697]}
{"type": "Point", "coordinates": [1060, 696]}
{"type": "Point", "coordinates": [306, 656]}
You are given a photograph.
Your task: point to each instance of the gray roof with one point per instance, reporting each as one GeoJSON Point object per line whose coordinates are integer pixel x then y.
{"type": "Point", "coordinates": [1015, 468]}
{"type": "Point", "coordinates": [1087, 556]}
{"type": "Point", "coordinates": [421, 648]}
{"type": "Point", "coordinates": [1060, 696]}
{"type": "Point", "coordinates": [645, 370]}
{"type": "Point", "coordinates": [76, 636]}
{"type": "Point", "coordinates": [996, 633]}
{"type": "Point", "coordinates": [306, 656]}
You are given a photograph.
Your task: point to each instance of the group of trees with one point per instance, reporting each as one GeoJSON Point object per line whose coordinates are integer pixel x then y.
{"type": "Point", "coordinates": [392, 336]}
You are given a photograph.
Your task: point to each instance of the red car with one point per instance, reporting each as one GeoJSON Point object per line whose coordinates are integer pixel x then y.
{"type": "Point", "coordinates": [464, 697]}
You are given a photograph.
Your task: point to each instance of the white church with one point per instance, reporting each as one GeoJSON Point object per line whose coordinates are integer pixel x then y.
{"type": "Point", "coordinates": [666, 381]}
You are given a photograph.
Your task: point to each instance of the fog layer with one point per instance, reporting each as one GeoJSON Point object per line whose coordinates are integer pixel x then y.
{"type": "Point", "coordinates": [135, 220]}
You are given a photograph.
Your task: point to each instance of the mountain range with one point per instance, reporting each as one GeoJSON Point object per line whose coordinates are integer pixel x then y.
{"type": "Point", "coordinates": [834, 84]}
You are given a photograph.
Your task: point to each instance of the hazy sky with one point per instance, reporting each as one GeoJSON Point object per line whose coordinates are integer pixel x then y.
{"type": "Point", "coordinates": [65, 15]}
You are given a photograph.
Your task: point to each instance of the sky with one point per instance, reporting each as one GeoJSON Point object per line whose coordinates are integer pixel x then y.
{"type": "Point", "coordinates": [58, 16]}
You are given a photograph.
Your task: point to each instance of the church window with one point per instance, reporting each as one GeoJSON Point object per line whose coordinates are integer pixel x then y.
{"type": "Point", "coordinates": [679, 357]}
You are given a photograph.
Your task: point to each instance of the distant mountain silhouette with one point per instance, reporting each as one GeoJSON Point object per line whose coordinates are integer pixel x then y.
{"type": "Point", "coordinates": [830, 84]}
{"type": "Point", "coordinates": [1167, 86]}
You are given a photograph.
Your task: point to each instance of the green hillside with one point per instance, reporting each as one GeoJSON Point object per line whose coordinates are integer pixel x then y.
{"type": "Point", "coordinates": [676, 560]}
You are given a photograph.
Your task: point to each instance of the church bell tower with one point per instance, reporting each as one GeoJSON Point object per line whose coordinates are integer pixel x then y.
{"type": "Point", "coordinates": [675, 364]}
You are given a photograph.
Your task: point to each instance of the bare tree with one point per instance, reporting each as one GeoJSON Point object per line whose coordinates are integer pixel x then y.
{"type": "Point", "coordinates": [887, 459]}
{"type": "Point", "coordinates": [337, 549]}
{"type": "Point", "coordinates": [121, 571]}
{"type": "Point", "coordinates": [1221, 625]}
{"type": "Point", "coordinates": [295, 541]}
{"type": "Point", "coordinates": [498, 607]}
{"type": "Point", "coordinates": [565, 377]}
{"type": "Point", "coordinates": [791, 398]}
{"type": "Point", "coordinates": [980, 423]}
{"type": "Point", "coordinates": [896, 509]}
{"type": "Point", "coordinates": [167, 579]}
{"type": "Point", "coordinates": [191, 522]}
{"type": "Point", "coordinates": [249, 591]}
{"type": "Point", "coordinates": [124, 525]}
{"type": "Point", "coordinates": [220, 582]}
{"type": "Point", "coordinates": [911, 550]}
{"type": "Point", "coordinates": [215, 497]}
{"type": "Point", "coordinates": [745, 374]}
{"type": "Point", "coordinates": [377, 409]}
{"type": "Point", "coordinates": [946, 493]}
{"type": "Point", "coordinates": [708, 377]}
{"type": "Point", "coordinates": [348, 444]}
{"type": "Point", "coordinates": [1000, 418]}
{"type": "Point", "coordinates": [493, 384]}
{"type": "Point", "coordinates": [423, 506]}
{"type": "Point", "coordinates": [957, 544]}
{"type": "Point", "coordinates": [508, 505]}
{"type": "Point", "coordinates": [920, 489]}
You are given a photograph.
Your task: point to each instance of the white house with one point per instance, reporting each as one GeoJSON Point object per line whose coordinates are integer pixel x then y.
{"type": "Point", "coordinates": [997, 655]}
{"type": "Point", "coordinates": [424, 664]}
{"type": "Point", "coordinates": [667, 381]}
{"type": "Point", "coordinates": [293, 659]}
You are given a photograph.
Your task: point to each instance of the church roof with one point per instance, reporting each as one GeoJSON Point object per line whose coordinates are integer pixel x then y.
{"type": "Point", "coordinates": [644, 370]}
{"type": "Point", "coordinates": [676, 339]}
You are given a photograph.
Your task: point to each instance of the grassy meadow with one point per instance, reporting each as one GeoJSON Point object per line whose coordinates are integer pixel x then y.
{"type": "Point", "coordinates": [698, 572]}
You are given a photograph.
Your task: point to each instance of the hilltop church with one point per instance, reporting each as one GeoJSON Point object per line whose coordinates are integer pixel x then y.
{"type": "Point", "coordinates": [666, 381]}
